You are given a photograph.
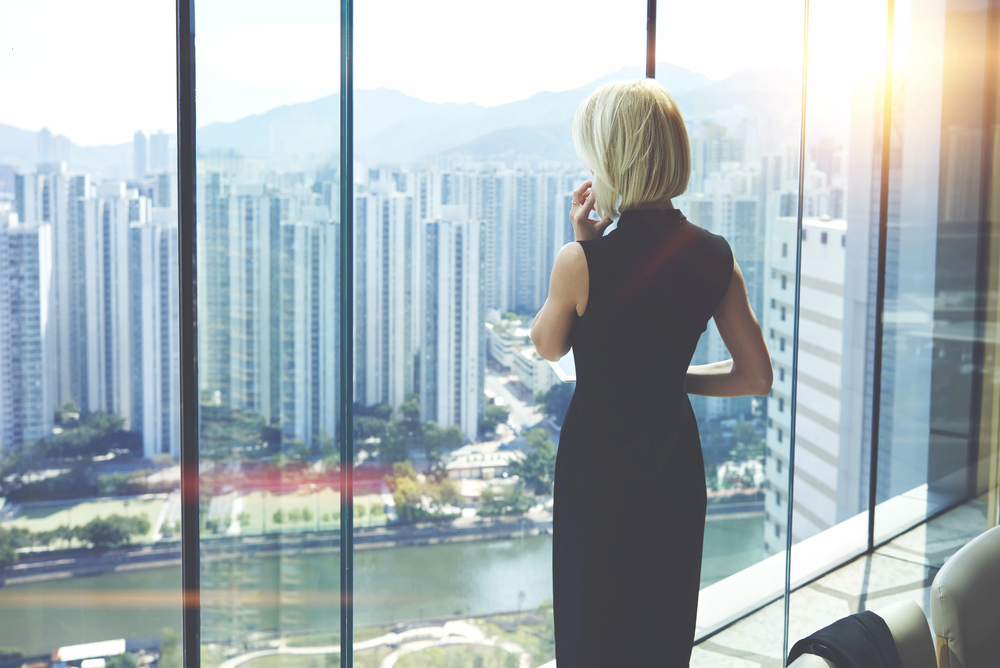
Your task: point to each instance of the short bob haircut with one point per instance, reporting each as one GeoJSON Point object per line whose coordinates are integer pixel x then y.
{"type": "Point", "coordinates": [632, 136]}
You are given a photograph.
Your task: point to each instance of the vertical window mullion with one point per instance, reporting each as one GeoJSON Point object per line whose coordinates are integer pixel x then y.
{"type": "Point", "coordinates": [188, 343]}
{"type": "Point", "coordinates": [795, 327]}
{"type": "Point", "coordinates": [883, 227]}
{"type": "Point", "coordinates": [346, 334]}
{"type": "Point", "coordinates": [651, 39]}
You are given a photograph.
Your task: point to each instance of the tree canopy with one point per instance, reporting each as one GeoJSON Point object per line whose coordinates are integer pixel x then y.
{"type": "Point", "coordinates": [538, 467]}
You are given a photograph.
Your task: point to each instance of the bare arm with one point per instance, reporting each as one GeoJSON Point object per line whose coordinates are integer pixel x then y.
{"type": "Point", "coordinates": [568, 290]}
{"type": "Point", "coordinates": [749, 371]}
{"type": "Point", "coordinates": [569, 285]}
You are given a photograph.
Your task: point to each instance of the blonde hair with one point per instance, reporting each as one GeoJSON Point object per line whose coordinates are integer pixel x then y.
{"type": "Point", "coordinates": [632, 136]}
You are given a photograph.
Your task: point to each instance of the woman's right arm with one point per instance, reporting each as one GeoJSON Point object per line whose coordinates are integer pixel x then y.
{"type": "Point", "coordinates": [749, 371]}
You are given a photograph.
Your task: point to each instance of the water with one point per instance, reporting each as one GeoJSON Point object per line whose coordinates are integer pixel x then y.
{"type": "Point", "coordinates": [301, 592]}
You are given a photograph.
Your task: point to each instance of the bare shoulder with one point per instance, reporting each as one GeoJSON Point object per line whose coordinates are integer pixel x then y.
{"type": "Point", "coordinates": [573, 251]}
{"type": "Point", "coordinates": [570, 277]}
{"type": "Point", "coordinates": [570, 262]}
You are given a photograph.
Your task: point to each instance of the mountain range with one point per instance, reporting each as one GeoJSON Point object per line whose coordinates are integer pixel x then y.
{"type": "Point", "coordinates": [392, 126]}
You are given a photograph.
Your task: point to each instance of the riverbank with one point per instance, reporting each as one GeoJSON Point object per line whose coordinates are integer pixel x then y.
{"type": "Point", "coordinates": [62, 564]}
{"type": "Point", "coordinates": [295, 591]}
{"type": "Point", "coordinates": [80, 562]}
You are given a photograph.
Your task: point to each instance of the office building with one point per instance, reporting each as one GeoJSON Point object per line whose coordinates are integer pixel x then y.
{"type": "Point", "coordinates": [817, 433]}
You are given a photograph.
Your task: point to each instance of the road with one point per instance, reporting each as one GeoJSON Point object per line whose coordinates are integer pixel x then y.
{"type": "Point", "coordinates": [522, 414]}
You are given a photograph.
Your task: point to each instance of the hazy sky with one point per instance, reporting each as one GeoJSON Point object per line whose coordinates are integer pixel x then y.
{"type": "Point", "coordinates": [97, 71]}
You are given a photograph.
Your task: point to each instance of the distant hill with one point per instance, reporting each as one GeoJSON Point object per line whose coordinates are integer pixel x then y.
{"type": "Point", "coordinates": [392, 126]}
{"type": "Point", "coordinates": [20, 148]}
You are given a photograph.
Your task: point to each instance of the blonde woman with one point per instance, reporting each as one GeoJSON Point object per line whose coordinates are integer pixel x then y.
{"type": "Point", "coordinates": [632, 303]}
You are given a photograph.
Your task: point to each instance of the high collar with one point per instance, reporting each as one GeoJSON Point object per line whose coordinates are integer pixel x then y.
{"type": "Point", "coordinates": [656, 220]}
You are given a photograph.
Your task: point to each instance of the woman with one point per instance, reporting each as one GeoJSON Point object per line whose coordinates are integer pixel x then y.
{"type": "Point", "coordinates": [629, 511]}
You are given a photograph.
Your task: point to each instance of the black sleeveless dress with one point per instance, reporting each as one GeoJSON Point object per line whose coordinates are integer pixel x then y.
{"type": "Point", "coordinates": [629, 510]}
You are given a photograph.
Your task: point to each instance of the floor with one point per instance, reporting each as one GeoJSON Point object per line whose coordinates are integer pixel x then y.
{"type": "Point", "coordinates": [902, 569]}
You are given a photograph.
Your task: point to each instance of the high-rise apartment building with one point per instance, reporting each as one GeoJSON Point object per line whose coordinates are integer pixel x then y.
{"type": "Point", "coordinates": [139, 154]}
{"type": "Point", "coordinates": [27, 332]}
{"type": "Point", "coordinates": [454, 318]}
{"type": "Point", "coordinates": [154, 333]}
{"type": "Point", "coordinates": [159, 153]}
{"type": "Point", "coordinates": [387, 296]}
{"type": "Point", "coordinates": [310, 330]}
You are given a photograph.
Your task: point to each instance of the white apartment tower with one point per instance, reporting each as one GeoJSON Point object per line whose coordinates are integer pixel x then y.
{"type": "Point", "coordinates": [310, 334]}
{"type": "Point", "coordinates": [817, 435]}
{"type": "Point", "coordinates": [27, 332]}
{"type": "Point", "coordinates": [387, 297]}
{"type": "Point", "coordinates": [155, 335]}
{"type": "Point", "coordinates": [454, 332]}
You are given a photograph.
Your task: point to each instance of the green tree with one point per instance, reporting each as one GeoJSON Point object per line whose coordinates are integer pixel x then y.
{"type": "Point", "coordinates": [393, 447]}
{"type": "Point", "coordinates": [123, 484]}
{"type": "Point", "coordinates": [279, 516]}
{"type": "Point", "coordinates": [170, 655]}
{"type": "Point", "coordinates": [556, 400]}
{"type": "Point", "coordinates": [493, 416]}
{"type": "Point", "coordinates": [369, 427]}
{"type": "Point", "coordinates": [538, 466]}
{"type": "Point", "coordinates": [437, 441]}
{"type": "Point", "coordinates": [8, 548]}
{"type": "Point", "coordinates": [748, 443]}
{"type": "Point", "coordinates": [125, 660]}
{"type": "Point", "coordinates": [410, 409]}
{"type": "Point", "coordinates": [113, 531]}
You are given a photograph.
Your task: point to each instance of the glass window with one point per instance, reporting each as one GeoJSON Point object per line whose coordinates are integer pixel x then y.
{"type": "Point", "coordinates": [745, 147]}
{"type": "Point", "coordinates": [89, 428]}
{"type": "Point", "coordinates": [932, 349]}
{"type": "Point", "coordinates": [461, 201]}
{"type": "Point", "coordinates": [840, 190]}
{"type": "Point", "coordinates": [269, 257]}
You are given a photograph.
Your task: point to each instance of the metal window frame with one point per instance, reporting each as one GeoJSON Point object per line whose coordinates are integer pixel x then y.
{"type": "Point", "coordinates": [346, 333]}
{"type": "Point", "coordinates": [188, 317]}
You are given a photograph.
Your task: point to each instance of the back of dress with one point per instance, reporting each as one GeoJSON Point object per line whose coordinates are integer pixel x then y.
{"type": "Point", "coordinates": [630, 482]}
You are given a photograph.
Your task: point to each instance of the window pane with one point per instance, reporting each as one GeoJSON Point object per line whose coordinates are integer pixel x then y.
{"type": "Point", "coordinates": [933, 353]}
{"type": "Point", "coordinates": [465, 165]}
{"type": "Point", "coordinates": [89, 502]}
{"type": "Point", "coordinates": [268, 218]}
{"type": "Point", "coordinates": [839, 244]}
{"type": "Point", "coordinates": [743, 120]}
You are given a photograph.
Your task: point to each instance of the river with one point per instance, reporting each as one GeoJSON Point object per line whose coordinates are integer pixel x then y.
{"type": "Point", "coordinates": [300, 593]}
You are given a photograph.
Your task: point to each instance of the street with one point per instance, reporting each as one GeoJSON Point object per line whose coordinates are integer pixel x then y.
{"type": "Point", "coordinates": [523, 415]}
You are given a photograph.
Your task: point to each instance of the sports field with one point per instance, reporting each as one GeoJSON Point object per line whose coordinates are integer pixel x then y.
{"type": "Point", "coordinates": [48, 516]}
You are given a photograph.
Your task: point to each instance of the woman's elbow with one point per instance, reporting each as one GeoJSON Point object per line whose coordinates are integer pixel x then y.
{"type": "Point", "coordinates": [548, 353]}
{"type": "Point", "coordinates": [544, 350]}
{"type": "Point", "coordinates": [765, 379]}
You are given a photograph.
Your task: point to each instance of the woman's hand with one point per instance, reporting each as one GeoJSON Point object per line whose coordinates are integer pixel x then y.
{"type": "Point", "coordinates": [583, 203]}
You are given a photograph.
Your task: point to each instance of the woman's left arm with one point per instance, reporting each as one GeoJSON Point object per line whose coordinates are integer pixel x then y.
{"type": "Point", "coordinates": [569, 285]}
{"type": "Point", "coordinates": [568, 290]}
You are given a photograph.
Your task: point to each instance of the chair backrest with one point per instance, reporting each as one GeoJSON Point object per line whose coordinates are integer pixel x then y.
{"type": "Point", "coordinates": [910, 631]}
{"type": "Point", "coordinates": [965, 613]}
